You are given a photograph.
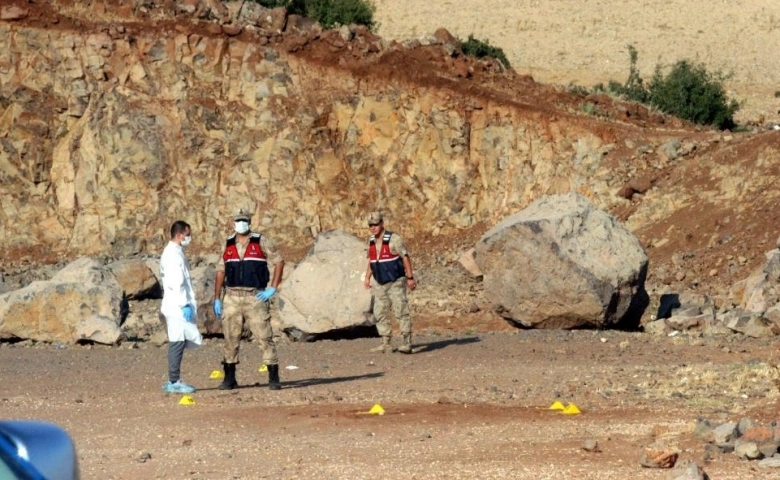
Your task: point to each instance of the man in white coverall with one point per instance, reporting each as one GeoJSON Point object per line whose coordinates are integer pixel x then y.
{"type": "Point", "coordinates": [178, 305]}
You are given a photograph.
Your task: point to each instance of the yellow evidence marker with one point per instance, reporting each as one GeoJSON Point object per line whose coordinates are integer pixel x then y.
{"type": "Point", "coordinates": [556, 406]}
{"type": "Point", "coordinates": [186, 400]}
{"type": "Point", "coordinates": [216, 374]}
{"type": "Point", "coordinates": [571, 409]}
{"type": "Point", "coordinates": [376, 410]}
{"type": "Point", "coordinates": [263, 368]}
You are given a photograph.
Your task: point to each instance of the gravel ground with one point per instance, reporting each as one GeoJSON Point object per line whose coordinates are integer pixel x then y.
{"type": "Point", "coordinates": [463, 406]}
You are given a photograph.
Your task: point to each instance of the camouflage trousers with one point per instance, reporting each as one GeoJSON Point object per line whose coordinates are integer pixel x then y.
{"type": "Point", "coordinates": [393, 295]}
{"type": "Point", "coordinates": [257, 313]}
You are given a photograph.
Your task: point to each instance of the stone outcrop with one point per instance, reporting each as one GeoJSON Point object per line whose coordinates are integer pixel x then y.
{"type": "Point", "coordinates": [325, 291]}
{"type": "Point", "coordinates": [562, 263]}
{"type": "Point", "coordinates": [136, 279]}
{"type": "Point", "coordinates": [110, 130]}
{"type": "Point", "coordinates": [83, 301]}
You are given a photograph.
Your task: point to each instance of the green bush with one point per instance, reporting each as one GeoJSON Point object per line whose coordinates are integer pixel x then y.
{"type": "Point", "coordinates": [691, 92]}
{"type": "Point", "coordinates": [688, 91]}
{"type": "Point", "coordinates": [330, 13]}
{"type": "Point", "coordinates": [480, 49]}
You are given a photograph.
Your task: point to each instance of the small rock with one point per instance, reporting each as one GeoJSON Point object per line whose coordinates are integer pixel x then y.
{"type": "Point", "coordinates": [13, 13]}
{"type": "Point", "coordinates": [746, 450]}
{"type": "Point", "coordinates": [144, 457]}
{"type": "Point", "coordinates": [688, 470]}
{"type": "Point", "coordinates": [659, 458]}
{"type": "Point", "coordinates": [769, 463]}
{"type": "Point", "coordinates": [591, 445]}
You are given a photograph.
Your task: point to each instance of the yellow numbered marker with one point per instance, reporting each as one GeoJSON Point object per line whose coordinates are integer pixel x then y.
{"type": "Point", "coordinates": [186, 400]}
{"type": "Point", "coordinates": [571, 409]}
{"type": "Point", "coordinates": [216, 374]}
{"type": "Point", "coordinates": [263, 368]}
{"type": "Point", "coordinates": [556, 406]}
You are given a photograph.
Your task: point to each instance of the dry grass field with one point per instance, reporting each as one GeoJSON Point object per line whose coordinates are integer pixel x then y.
{"type": "Point", "coordinates": [584, 41]}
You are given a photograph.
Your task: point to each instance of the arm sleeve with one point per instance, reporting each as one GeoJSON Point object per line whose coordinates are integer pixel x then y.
{"type": "Point", "coordinates": [398, 246]}
{"type": "Point", "coordinates": [271, 253]}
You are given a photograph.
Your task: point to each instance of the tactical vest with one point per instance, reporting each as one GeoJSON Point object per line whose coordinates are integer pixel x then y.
{"type": "Point", "coordinates": [386, 267]}
{"type": "Point", "coordinates": [252, 270]}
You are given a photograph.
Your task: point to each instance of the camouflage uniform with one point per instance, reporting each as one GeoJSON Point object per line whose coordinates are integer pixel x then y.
{"type": "Point", "coordinates": [392, 294]}
{"type": "Point", "coordinates": [240, 305]}
{"type": "Point", "coordinates": [391, 269]}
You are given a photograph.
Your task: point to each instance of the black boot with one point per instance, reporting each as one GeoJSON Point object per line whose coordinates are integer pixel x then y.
{"type": "Point", "coordinates": [273, 377]}
{"type": "Point", "coordinates": [229, 383]}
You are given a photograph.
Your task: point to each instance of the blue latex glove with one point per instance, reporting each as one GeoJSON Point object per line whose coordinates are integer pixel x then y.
{"type": "Point", "coordinates": [266, 294]}
{"type": "Point", "coordinates": [188, 313]}
{"type": "Point", "coordinates": [218, 307]}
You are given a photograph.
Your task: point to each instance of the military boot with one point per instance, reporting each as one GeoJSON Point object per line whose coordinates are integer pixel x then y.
{"type": "Point", "coordinates": [273, 377]}
{"type": "Point", "coordinates": [229, 383]}
{"type": "Point", "coordinates": [385, 347]}
{"type": "Point", "coordinates": [406, 343]}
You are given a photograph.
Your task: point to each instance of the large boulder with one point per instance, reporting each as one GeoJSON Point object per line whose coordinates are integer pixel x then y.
{"type": "Point", "coordinates": [83, 301]}
{"type": "Point", "coordinates": [562, 263]}
{"type": "Point", "coordinates": [136, 279]}
{"type": "Point", "coordinates": [325, 291]}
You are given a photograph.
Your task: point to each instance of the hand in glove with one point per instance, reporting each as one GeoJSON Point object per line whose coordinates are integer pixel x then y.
{"type": "Point", "coordinates": [218, 307]}
{"type": "Point", "coordinates": [188, 313]}
{"type": "Point", "coordinates": [266, 294]}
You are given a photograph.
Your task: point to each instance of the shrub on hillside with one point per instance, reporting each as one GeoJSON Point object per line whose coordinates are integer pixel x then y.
{"type": "Point", "coordinates": [474, 47]}
{"type": "Point", "coordinates": [688, 91]}
{"type": "Point", "coordinates": [691, 92]}
{"type": "Point", "coordinates": [330, 13]}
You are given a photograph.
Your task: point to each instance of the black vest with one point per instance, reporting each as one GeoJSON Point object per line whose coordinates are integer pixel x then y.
{"type": "Point", "coordinates": [385, 265]}
{"type": "Point", "coordinates": [252, 270]}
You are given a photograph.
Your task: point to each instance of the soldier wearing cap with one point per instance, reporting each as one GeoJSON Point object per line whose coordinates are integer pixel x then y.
{"type": "Point", "coordinates": [390, 267]}
{"type": "Point", "coordinates": [244, 274]}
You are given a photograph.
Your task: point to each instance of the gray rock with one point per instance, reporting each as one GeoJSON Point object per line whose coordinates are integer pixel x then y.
{"type": "Point", "coordinates": [325, 291]}
{"type": "Point", "coordinates": [687, 470]}
{"type": "Point", "coordinates": [561, 263]}
{"type": "Point", "coordinates": [749, 324]}
{"type": "Point", "coordinates": [744, 425]}
{"type": "Point", "coordinates": [83, 301]}
{"type": "Point", "coordinates": [768, 448]}
{"type": "Point", "coordinates": [746, 450]}
{"type": "Point", "coordinates": [769, 463]}
{"type": "Point", "coordinates": [725, 433]}
{"type": "Point", "coordinates": [657, 327]}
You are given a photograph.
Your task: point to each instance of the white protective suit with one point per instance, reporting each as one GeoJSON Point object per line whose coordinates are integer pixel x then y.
{"type": "Point", "coordinates": [178, 292]}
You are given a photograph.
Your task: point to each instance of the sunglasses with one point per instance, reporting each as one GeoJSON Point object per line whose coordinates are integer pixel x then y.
{"type": "Point", "coordinates": [373, 225]}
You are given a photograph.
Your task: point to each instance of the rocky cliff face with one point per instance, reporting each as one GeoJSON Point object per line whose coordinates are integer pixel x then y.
{"type": "Point", "coordinates": [116, 120]}
{"type": "Point", "coordinates": [111, 131]}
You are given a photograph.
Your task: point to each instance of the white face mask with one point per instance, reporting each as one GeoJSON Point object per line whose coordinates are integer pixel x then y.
{"type": "Point", "coordinates": [186, 240]}
{"type": "Point", "coordinates": [242, 227]}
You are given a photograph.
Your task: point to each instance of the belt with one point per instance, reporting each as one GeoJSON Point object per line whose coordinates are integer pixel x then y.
{"type": "Point", "coordinates": [241, 293]}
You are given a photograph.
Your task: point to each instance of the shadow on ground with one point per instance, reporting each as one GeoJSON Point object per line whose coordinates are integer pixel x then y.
{"type": "Point", "coordinates": [429, 347]}
{"type": "Point", "coordinates": [306, 382]}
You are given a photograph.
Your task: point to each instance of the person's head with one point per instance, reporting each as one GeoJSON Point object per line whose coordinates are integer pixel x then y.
{"type": "Point", "coordinates": [376, 223]}
{"type": "Point", "coordinates": [242, 218]}
{"type": "Point", "coordinates": [181, 234]}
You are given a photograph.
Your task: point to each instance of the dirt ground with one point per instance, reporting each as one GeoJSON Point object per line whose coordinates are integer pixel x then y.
{"type": "Point", "coordinates": [463, 406]}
